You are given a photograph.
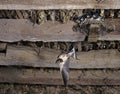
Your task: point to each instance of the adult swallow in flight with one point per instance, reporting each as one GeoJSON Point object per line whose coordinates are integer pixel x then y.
{"type": "Point", "coordinates": [63, 60]}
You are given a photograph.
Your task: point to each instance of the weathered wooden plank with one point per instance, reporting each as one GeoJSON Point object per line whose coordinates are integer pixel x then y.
{"type": "Point", "coordinates": [17, 30]}
{"type": "Point", "coordinates": [3, 46]}
{"type": "Point", "coordinates": [115, 35]}
{"type": "Point", "coordinates": [45, 76]}
{"type": "Point", "coordinates": [26, 56]}
{"type": "Point", "coordinates": [110, 37]}
{"type": "Point", "coordinates": [62, 4]}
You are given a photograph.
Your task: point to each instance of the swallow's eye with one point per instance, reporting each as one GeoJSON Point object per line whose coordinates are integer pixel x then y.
{"type": "Point", "coordinates": [59, 61]}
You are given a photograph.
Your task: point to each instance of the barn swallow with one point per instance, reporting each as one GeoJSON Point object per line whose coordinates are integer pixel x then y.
{"type": "Point", "coordinates": [63, 60]}
{"type": "Point", "coordinates": [82, 18]}
{"type": "Point", "coordinates": [95, 15]}
{"type": "Point", "coordinates": [88, 16]}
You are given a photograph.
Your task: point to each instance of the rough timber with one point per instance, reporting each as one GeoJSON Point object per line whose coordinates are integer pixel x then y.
{"type": "Point", "coordinates": [13, 30]}
{"type": "Point", "coordinates": [52, 76]}
{"type": "Point", "coordinates": [23, 65]}
{"type": "Point", "coordinates": [58, 4]}
{"type": "Point", "coordinates": [28, 57]}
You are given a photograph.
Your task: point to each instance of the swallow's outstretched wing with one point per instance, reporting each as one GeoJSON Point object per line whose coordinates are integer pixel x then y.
{"type": "Point", "coordinates": [74, 53]}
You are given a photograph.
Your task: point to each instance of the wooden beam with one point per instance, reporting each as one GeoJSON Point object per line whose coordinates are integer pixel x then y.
{"type": "Point", "coordinates": [115, 35]}
{"type": "Point", "coordinates": [62, 4]}
{"type": "Point", "coordinates": [53, 77]}
{"type": "Point", "coordinates": [26, 56]}
{"type": "Point", "coordinates": [13, 30]}
{"type": "Point", "coordinates": [3, 46]}
{"type": "Point", "coordinates": [111, 36]}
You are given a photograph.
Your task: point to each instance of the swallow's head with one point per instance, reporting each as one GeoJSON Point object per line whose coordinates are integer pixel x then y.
{"type": "Point", "coordinates": [59, 60]}
{"type": "Point", "coordinates": [64, 57]}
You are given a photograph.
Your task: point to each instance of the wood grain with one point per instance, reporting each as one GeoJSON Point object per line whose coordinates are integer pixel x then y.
{"type": "Point", "coordinates": [13, 30]}
{"type": "Point", "coordinates": [115, 35]}
{"type": "Point", "coordinates": [53, 77]}
{"type": "Point", "coordinates": [26, 56]}
{"type": "Point", "coordinates": [62, 4]}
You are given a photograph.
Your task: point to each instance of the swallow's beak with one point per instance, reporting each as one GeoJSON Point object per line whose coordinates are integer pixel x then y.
{"type": "Point", "coordinates": [59, 61]}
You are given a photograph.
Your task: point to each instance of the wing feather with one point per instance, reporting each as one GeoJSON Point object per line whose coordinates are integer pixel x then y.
{"type": "Point", "coordinates": [65, 76]}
